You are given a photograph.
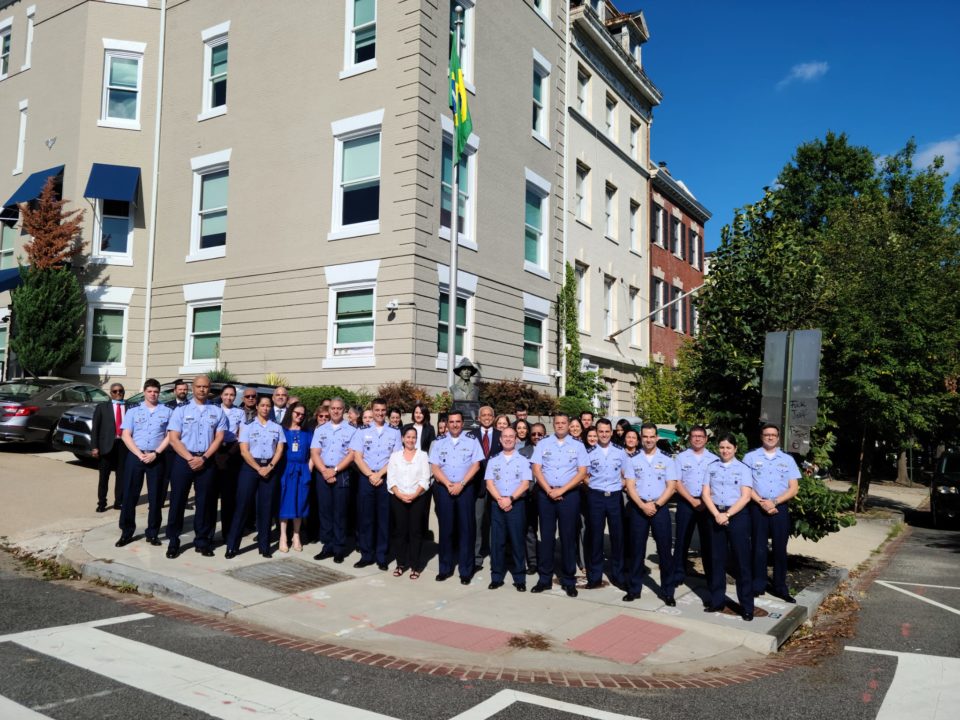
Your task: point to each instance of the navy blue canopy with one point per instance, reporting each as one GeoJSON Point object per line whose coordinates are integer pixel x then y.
{"type": "Point", "coordinates": [113, 182]}
{"type": "Point", "coordinates": [32, 186]}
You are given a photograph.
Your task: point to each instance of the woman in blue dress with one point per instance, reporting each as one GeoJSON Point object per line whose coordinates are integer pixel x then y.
{"type": "Point", "coordinates": [295, 481]}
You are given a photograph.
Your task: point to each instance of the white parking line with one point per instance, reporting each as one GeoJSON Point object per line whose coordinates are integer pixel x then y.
{"type": "Point", "coordinates": [503, 699]}
{"type": "Point", "coordinates": [924, 687]}
{"type": "Point", "coordinates": [913, 584]}
{"type": "Point", "coordinates": [918, 597]}
{"type": "Point", "coordinates": [9, 710]}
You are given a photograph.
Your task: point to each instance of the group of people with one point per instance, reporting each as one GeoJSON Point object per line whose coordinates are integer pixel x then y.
{"type": "Point", "coordinates": [504, 491]}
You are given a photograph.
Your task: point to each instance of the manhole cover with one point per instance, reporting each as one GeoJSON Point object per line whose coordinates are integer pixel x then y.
{"type": "Point", "coordinates": [288, 576]}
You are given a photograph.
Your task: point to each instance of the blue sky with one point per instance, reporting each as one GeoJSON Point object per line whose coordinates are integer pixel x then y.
{"type": "Point", "coordinates": [746, 82]}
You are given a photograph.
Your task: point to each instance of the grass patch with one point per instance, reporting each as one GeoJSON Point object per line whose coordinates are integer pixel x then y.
{"type": "Point", "coordinates": [120, 587]}
{"type": "Point", "coordinates": [49, 569]}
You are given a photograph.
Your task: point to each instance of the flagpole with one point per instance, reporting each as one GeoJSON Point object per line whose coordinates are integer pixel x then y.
{"type": "Point", "coordinates": [454, 231]}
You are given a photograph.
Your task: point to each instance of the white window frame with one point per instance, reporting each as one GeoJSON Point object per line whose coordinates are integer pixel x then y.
{"type": "Point", "coordinates": [635, 139]}
{"type": "Point", "coordinates": [99, 256]}
{"type": "Point", "coordinates": [536, 308]}
{"type": "Point", "coordinates": [633, 307]}
{"type": "Point", "coordinates": [695, 247]}
{"type": "Point", "coordinates": [635, 224]}
{"type": "Point", "coordinates": [611, 219]}
{"type": "Point", "coordinates": [659, 216]}
{"type": "Point", "coordinates": [467, 238]}
{"type": "Point", "coordinates": [543, 10]}
{"type": "Point", "coordinates": [676, 236]}
{"type": "Point", "coordinates": [581, 273]}
{"type": "Point", "coordinates": [351, 68]}
{"type": "Point", "coordinates": [583, 91]}
{"type": "Point", "coordinates": [6, 33]}
{"type": "Point", "coordinates": [610, 117]}
{"type": "Point", "coordinates": [657, 286]}
{"type": "Point", "coordinates": [212, 38]}
{"type": "Point", "coordinates": [200, 295]}
{"type": "Point", "coordinates": [28, 50]}
{"type": "Point", "coordinates": [542, 188]}
{"type": "Point", "coordinates": [21, 138]}
{"type": "Point", "coordinates": [12, 252]}
{"type": "Point", "coordinates": [581, 190]}
{"type": "Point", "coordinates": [343, 278]}
{"type": "Point", "coordinates": [542, 69]}
{"type": "Point", "coordinates": [466, 290]}
{"type": "Point", "coordinates": [128, 50]}
{"type": "Point", "coordinates": [102, 297]}
{"type": "Point", "coordinates": [351, 128]}
{"type": "Point", "coordinates": [467, 40]}
{"type": "Point", "coordinates": [609, 304]}
{"type": "Point", "coordinates": [204, 165]}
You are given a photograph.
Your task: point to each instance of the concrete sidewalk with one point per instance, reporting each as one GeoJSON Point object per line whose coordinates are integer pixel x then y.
{"type": "Point", "coordinates": [47, 510]}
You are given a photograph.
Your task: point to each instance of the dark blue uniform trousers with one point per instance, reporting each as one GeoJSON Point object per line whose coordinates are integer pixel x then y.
{"type": "Point", "coordinates": [333, 502]}
{"type": "Point", "coordinates": [737, 535]}
{"type": "Point", "coordinates": [373, 521]}
{"type": "Point", "coordinates": [203, 482]}
{"type": "Point", "coordinates": [456, 511]}
{"type": "Point", "coordinates": [604, 508]}
{"type": "Point", "coordinates": [562, 514]}
{"type": "Point", "coordinates": [510, 525]}
{"type": "Point", "coordinates": [133, 474]}
{"type": "Point", "coordinates": [642, 526]}
{"type": "Point", "coordinates": [253, 488]}
{"type": "Point", "coordinates": [687, 519]}
{"type": "Point", "coordinates": [228, 469]}
{"type": "Point", "coordinates": [777, 528]}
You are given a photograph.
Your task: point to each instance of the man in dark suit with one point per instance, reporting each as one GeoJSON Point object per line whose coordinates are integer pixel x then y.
{"type": "Point", "coordinates": [281, 396]}
{"type": "Point", "coordinates": [489, 439]}
{"type": "Point", "coordinates": [108, 446]}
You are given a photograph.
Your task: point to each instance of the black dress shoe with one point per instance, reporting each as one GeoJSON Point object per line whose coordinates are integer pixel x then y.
{"type": "Point", "coordinates": [713, 608]}
{"type": "Point", "coordinates": [154, 541]}
{"type": "Point", "coordinates": [785, 596]}
{"type": "Point", "coordinates": [521, 587]}
{"type": "Point", "coordinates": [531, 571]}
{"type": "Point", "coordinates": [747, 616]}
{"type": "Point", "coordinates": [338, 559]}
{"type": "Point", "coordinates": [757, 593]}
{"type": "Point", "coordinates": [670, 602]}
{"type": "Point", "coordinates": [101, 508]}
{"type": "Point", "coordinates": [123, 541]}
{"type": "Point", "coordinates": [478, 567]}
{"type": "Point", "coordinates": [230, 554]}
{"type": "Point", "coordinates": [117, 506]}
{"type": "Point", "coordinates": [323, 555]}
{"type": "Point", "coordinates": [540, 587]}
{"type": "Point", "coordinates": [571, 591]}
{"type": "Point", "coordinates": [594, 585]}
{"type": "Point", "coordinates": [363, 563]}
{"type": "Point", "coordinates": [630, 597]}
{"type": "Point", "coordinates": [268, 554]}
{"type": "Point", "coordinates": [466, 580]}
{"type": "Point", "coordinates": [443, 576]}
{"type": "Point", "coordinates": [383, 566]}
{"type": "Point", "coordinates": [494, 585]}
{"type": "Point", "coordinates": [207, 552]}
{"type": "Point", "coordinates": [172, 552]}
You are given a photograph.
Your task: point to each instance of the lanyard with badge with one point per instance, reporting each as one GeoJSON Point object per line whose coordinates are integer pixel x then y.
{"type": "Point", "coordinates": [295, 445]}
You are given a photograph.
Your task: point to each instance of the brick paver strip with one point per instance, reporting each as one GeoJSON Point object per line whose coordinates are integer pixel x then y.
{"type": "Point", "coordinates": [452, 634]}
{"type": "Point", "coordinates": [624, 639]}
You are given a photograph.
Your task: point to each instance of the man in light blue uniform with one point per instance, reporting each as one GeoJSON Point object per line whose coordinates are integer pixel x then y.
{"type": "Point", "coordinates": [228, 458]}
{"type": "Point", "coordinates": [559, 467]}
{"type": "Point", "coordinates": [508, 477]}
{"type": "Point", "coordinates": [776, 480]}
{"type": "Point", "coordinates": [145, 435]}
{"type": "Point", "coordinates": [691, 512]}
{"type": "Point", "coordinates": [656, 480]}
{"type": "Point", "coordinates": [455, 460]}
{"type": "Point", "coordinates": [607, 469]}
{"type": "Point", "coordinates": [332, 460]}
{"type": "Point", "coordinates": [372, 447]}
{"type": "Point", "coordinates": [196, 431]}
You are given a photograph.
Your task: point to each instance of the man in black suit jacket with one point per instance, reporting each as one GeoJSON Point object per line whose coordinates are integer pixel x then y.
{"type": "Point", "coordinates": [489, 439]}
{"type": "Point", "coordinates": [108, 447]}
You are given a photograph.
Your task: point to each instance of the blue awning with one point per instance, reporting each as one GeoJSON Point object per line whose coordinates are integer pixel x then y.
{"type": "Point", "coordinates": [9, 279]}
{"type": "Point", "coordinates": [113, 182]}
{"type": "Point", "coordinates": [32, 186]}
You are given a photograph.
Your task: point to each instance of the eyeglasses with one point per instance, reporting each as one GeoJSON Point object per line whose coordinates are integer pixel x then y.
{"type": "Point", "coordinates": [249, 397]}
{"type": "Point", "coordinates": [536, 434]}
{"type": "Point", "coordinates": [298, 414]}
{"type": "Point", "coordinates": [771, 434]}
{"type": "Point", "coordinates": [116, 392]}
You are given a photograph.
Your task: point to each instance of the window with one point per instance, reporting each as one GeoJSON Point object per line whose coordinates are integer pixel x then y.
{"type": "Point", "coordinates": [466, 39]}
{"type": "Point", "coordinates": [610, 118]}
{"type": "Point", "coordinates": [6, 28]}
{"type": "Point", "coordinates": [675, 236]}
{"type": "Point", "coordinates": [536, 310]}
{"type": "Point", "coordinates": [582, 193]}
{"type": "Point", "coordinates": [656, 300]}
{"type": "Point", "coordinates": [122, 78]}
{"type": "Point", "coordinates": [467, 185]}
{"type": "Point", "coordinates": [656, 225]}
{"type": "Point", "coordinates": [443, 325]}
{"type": "Point", "coordinates": [609, 309]}
{"type": "Point", "coordinates": [28, 52]}
{"type": "Point", "coordinates": [633, 309]}
{"type": "Point", "coordinates": [635, 226]}
{"type": "Point", "coordinates": [583, 309]}
{"type": "Point", "coordinates": [205, 333]}
{"type": "Point", "coordinates": [216, 49]}
{"type": "Point", "coordinates": [106, 330]}
{"type": "Point", "coordinates": [695, 250]}
{"type": "Point", "coordinates": [676, 309]}
{"type": "Point", "coordinates": [598, 7]}
{"type": "Point", "coordinates": [356, 192]}
{"type": "Point", "coordinates": [543, 7]}
{"type": "Point", "coordinates": [353, 318]}
{"type": "Point", "coordinates": [533, 239]}
{"type": "Point", "coordinates": [541, 98]}
{"type": "Point", "coordinates": [352, 302]}
{"type": "Point", "coordinates": [8, 245]}
{"type": "Point", "coordinates": [634, 139]}
{"type": "Point", "coordinates": [3, 351]}
{"type": "Point", "coordinates": [583, 92]}
{"type": "Point", "coordinates": [202, 349]}
{"type": "Point", "coordinates": [211, 179]}
{"type": "Point", "coordinates": [21, 138]}
{"type": "Point", "coordinates": [360, 45]}
{"type": "Point", "coordinates": [610, 211]}
{"type": "Point", "coordinates": [466, 292]}
{"type": "Point", "coordinates": [694, 319]}
{"type": "Point", "coordinates": [114, 219]}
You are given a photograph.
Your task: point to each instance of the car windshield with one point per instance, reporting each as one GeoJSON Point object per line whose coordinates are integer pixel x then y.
{"type": "Point", "coordinates": [97, 395]}
{"type": "Point", "coordinates": [950, 465]}
{"type": "Point", "coordinates": [18, 390]}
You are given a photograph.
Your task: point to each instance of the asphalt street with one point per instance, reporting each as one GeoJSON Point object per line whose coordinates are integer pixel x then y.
{"type": "Point", "coordinates": [157, 667]}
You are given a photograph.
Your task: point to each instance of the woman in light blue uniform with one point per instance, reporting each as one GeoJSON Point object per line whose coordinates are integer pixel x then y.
{"type": "Point", "coordinates": [295, 481]}
{"type": "Point", "coordinates": [261, 445]}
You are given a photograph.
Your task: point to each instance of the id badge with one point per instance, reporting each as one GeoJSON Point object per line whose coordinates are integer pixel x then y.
{"type": "Point", "coordinates": [295, 446]}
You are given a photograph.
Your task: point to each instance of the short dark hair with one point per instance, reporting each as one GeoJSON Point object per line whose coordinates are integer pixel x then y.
{"type": "Point", "coordinates": [152, 383]}
{"type": "Point", "coordinates": [454, 412]}
{"type": "Point", "coordinates": [442, 417]}
{"type": "Point", "coordinates": [695, 428]}
{"type": "Point", "coordinates": [396, 410]}
{"type": "Point", "coordinates": [228, 387]}
{"type": "Point", "coordinates": [407, 428]}
{"type": "Point", "coordinates": [561, 415]}
{"type": "Point", "coordinates": [603, 421]}
{"type": "Point", "coordinates": [770, 426]}
{"type": "Point", "coordinates": [539, 425]}
{"type": "Point", "coordinates": [648, 426]}
{"type": "Point", "coordinates": [728, 437]}
{"type": "Point", "coordinates": [627, 432]}
{"type": "Point", "coordinates": [179, 381]}
{"type": "Point", "coordinates": [586, 412]}
{"type": "Point", "coordinates": [378, 401]}
{"type": "Point", "coordinates": [521, 407]}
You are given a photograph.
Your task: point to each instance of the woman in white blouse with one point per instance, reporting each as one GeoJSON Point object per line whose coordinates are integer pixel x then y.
{"type": "Point", "coordinates": [408, 480]}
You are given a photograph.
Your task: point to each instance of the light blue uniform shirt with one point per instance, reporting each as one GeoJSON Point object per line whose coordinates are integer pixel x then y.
{"type": "Point", "coordinates": [725, 481]}
{"type": "Point", "coordinates": [376, 447]}
{"type": "Point", "coordinates": [605, 469]}
{"type": "Point", "coordinates": [455, 456]}
{"type": "Point", "coordinates": [235, 418]}
{"type": "Point", "coordinates": [333, 442]}
{"type": "Point", "coordinates": [147, 428]}
{"type": "Point", "coordinates": [652, 474]}
{"type": "Point", "coordinates": [262, 440]}
{"type": "Point", "coordinates": [692, 468]}
{"type": "Point", "coordinates": [507, 472]}
{"type": "Point", "coordinates": [559, 462]}
{"type": "Point", "coordinates": [197, 425]}
{"type": "Point", "coordinates": [771, 476]}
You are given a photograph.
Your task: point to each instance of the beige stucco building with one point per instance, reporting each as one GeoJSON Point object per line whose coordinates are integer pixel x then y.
{"type": "Point", "coordinates": [265, 184]}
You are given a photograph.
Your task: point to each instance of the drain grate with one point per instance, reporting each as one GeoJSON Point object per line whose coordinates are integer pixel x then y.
{"type": "Point", "coordinates": [288, 576]}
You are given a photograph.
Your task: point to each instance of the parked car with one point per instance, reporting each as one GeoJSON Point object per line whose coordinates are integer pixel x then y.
{"type": "Point", "coordinates": [31, 407]}
{"type": "Point", "coordinates": [945, 490]}
{"type": "Point", "coordinates": [75, 428]}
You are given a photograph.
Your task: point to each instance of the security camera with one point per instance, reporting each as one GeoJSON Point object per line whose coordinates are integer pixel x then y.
{"type": "Point", "coordinates": [393, 305]}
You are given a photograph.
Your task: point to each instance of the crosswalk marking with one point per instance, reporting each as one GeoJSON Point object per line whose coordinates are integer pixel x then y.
{"type": "Point", "coordinates": [9, 710]}
{"type": "Point", "coordinates": [924, 687]}
{"type": "Point", "coordinates": [893, 586]}
{"type": "Point", "coordinates": [503, 699]}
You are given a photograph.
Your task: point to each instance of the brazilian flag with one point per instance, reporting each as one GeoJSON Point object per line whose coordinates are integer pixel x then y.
{"type": "Point", "coordinates": [462, 124]}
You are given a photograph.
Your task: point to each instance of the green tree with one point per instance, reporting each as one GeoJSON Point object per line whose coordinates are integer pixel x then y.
{"type": "Point", "coordinates": [660, 395]}
{"type": "Point", "coordinates": [581, 384]}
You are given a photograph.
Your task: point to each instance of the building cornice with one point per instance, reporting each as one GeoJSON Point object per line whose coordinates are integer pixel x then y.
{"type": "Point", "coordinates": [679, 196]}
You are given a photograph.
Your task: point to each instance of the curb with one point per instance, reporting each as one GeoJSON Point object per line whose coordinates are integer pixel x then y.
{"type": "Point", "coordinates": [808, 602]}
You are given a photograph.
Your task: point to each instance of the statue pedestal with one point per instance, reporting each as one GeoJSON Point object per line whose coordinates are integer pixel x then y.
{"type": "Point", "coordinates": [470, 410]}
